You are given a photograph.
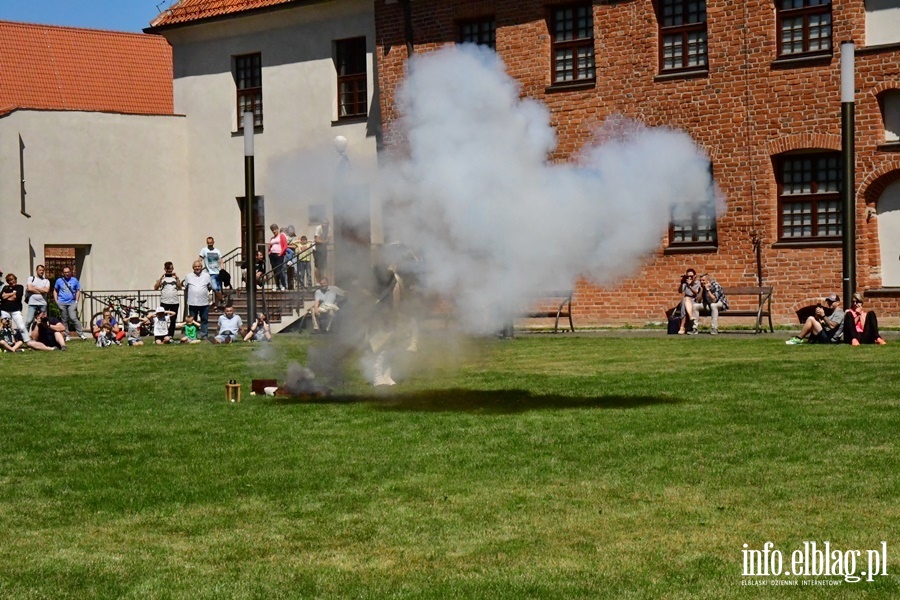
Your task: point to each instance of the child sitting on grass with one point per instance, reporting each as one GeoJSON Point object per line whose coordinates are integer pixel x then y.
{"type": "Point", "coordinates": [10, 341]}
{"type": "Point", "coordinates": [133, 329]}
{"type": "Point", "coordinates": [190, 331]}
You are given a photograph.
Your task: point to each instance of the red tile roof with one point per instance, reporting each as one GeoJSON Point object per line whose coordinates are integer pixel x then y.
{"type": "Point", "coordinates": [64, 68]}
{"type": "Point", "coordinates": [186, 11]}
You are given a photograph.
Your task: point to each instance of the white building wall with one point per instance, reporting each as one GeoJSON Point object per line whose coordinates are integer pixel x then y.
{"type": "Point", "coordinates": [115, 183]}
{"type": "Point", "coordinates": [295, 156]}
{"type": "Point", "coordinates": [882, 22]}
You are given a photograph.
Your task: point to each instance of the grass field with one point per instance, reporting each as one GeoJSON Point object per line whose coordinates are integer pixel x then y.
{"type": "Point", "coordinates": [619, 466]}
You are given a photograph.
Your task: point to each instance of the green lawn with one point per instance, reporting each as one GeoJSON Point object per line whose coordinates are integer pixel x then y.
{"type": "Point", "coordinates": [549, 466]}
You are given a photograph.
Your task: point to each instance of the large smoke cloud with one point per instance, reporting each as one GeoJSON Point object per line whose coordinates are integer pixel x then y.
{"type": "Point", "coordinates": [493, 219]}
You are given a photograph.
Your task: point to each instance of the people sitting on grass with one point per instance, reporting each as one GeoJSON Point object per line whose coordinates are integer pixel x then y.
{"type": "Point", "coordinates": [160, 320]}
{"type": "Point", "coordinates": [861, 326]}
{"type": "Point", "coordinates": [108, 324]}
{"type": "Point", "coordinates": [230, 325]}
{"type": "Point", "coordinates": [47, 333]}
{"type": "Point", "coordinates": [260, 331]}
{"type": "Point", "coordinates": [133, 329]}
{"type": "Point", "coordinates": [689, 288]}
{"type": "Point", "coordinates": [10, 339]}
{"type": "Point", "coordinates": [190, 332]}
{"type": "Point", "coordinates": [826, 326]}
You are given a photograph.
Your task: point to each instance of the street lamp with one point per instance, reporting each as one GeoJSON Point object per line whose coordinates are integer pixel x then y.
{"type": "Point", "coordinates": [249, 194]}
{"type": "Point", "coordinates": [848, 163]}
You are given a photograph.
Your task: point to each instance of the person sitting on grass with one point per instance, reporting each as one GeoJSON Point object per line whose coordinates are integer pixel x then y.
{"type": "Point", "coordinates": [10, 340]}
{"type": "Point", "coordinates": [108, 322]}
{"type": "Point", "coordinates": [160, 321]}
{"type": "Point", "coordinates": [260, 331]}
{"type": "Point", "coordinates": [861, 326]}
{"type": "Point", "coordinates": [190, 331]}
{"type": "Point", "coordinates": [826, 326]}
{"type": "Point", "coordinates": [230, 326]}
{"type": "Point", "coordinates": [47, 333]}
{"type": "Point", "coordinates": [133, 329]}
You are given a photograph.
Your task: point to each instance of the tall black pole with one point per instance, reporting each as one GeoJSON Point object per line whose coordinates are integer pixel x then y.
{"type": "Point", "coordinates": [848, 170]}
{"type": "Point", "coordinates": [249, 206]}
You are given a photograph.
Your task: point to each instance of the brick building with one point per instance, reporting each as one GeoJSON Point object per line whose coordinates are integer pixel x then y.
{"type": "Point", "coordinates": [756, 83]}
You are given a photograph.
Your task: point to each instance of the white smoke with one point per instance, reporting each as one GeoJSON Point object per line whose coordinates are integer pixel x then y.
{"type": "Point", "coordinates": [493, 219]}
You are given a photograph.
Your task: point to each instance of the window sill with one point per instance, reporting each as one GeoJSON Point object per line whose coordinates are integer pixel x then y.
{"type": "Point", "coordinates": [888, 147]}
{"type": "Point", "coordinates": [692, 74]}
{"type": "Point", "coordinates": [808, 243]}
{"type": "Point", "coordinates": [879, 48]}
{"type": "Point", "coordinates": [240, 132]}
{"type": "Point", "coordinates": [691, 249]}
{"type": "Point", "coordinates": [350, 120]}
{"type": "Point", "coordinates": [588, 84]}
{"type": "Point", "coordinates": [887, 292]}
{"type": "Point", "coordinates": [795, 62]}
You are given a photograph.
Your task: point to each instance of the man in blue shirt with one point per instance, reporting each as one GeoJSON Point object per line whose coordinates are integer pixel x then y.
{"type": "Point", "coordinates": [66, 292]}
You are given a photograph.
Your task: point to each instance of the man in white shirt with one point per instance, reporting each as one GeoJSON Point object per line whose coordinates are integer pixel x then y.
{"type": "Point", "coordinates": [230, 326]}
{"type": "Point", "coordinates": [36, 291]}
{"type": "Point", "coordinates": [212, 261]}
{"type": "Point", "coordinates": [325, 304]}
{"type": "Point", "coordinates": [197, 286]}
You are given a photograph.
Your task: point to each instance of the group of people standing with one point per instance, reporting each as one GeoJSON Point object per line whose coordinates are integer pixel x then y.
{"type": "Point", "coordinates": [292, 258]}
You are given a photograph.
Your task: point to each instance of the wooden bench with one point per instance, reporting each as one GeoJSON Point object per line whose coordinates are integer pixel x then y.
{"type": "Point", "coordinates": [762, 309]}
{"type": "Point", "coordinates": [552, 305]}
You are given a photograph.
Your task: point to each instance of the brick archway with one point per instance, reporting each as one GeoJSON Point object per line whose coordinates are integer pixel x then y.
{"type": "Point", "coordinates": [876, 182]}
{"type": "Point", "coordinates": [802, 141]}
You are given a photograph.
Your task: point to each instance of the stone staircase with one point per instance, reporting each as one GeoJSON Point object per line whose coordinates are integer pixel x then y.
{"type": "Point", "coordinates": [282, 307]}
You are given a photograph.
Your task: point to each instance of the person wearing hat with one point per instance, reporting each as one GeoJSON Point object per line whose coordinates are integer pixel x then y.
{"type": "Point", "coordinates": [133, 327]}
{"type": "Point", "coordinates": [861, 326]}
{"type": "Point", "coordinates": [161, 319]}
{"type": "Point", "coordinates": [826, 326]}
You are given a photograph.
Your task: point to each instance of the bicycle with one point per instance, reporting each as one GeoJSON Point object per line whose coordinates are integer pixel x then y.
{"type": "Point", "coordinates": [121, 308]}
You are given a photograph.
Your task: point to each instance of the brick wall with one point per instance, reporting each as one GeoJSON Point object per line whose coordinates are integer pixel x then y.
{"type": "Point", "coordinates": [743, 112]}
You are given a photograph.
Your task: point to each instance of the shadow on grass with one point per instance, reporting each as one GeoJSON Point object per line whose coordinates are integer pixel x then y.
{"type": "Point", "coordinates": [480, 401]}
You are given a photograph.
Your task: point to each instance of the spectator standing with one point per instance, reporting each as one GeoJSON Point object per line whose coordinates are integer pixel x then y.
{"type": "Point", "coordinates": [230, 326]}
{"type": "Point", "coordinates": [861, 326]}
{"type": "Point", "coordinates": [169, 286]}
{"type": "Point", "coordinates": [290, 255]}
{"type": "Point", "coordinates": [212, 261]}
{"type": "Point", "coordinates": [320, 253]}
{"type": "Point", "coordinates": [277, 249]}
{"type": "Point", "coordinates": [66, 293]}
{"type": "Point", "coordinates": [36, 292]}
{"type": "Point", "coordinates": [11, 296]}
{"type": "Point", "coordinates": [304, 262]}
{"type": "Point", "coordinates": [197, 285]}
{"type": "Point", "coordinates": [712, 296]}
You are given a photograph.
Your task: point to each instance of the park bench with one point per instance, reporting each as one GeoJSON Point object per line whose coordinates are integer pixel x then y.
{"type": "Point", "coordinates": [760, 307]}
{"type": "Point", "coordinates": [551, 305]}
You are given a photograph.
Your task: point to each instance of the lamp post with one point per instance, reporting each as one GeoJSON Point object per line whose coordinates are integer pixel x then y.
{"type": "Point", "coordinates": [249, 195]}
{"type": "Point", "coordinates": [848, 163]}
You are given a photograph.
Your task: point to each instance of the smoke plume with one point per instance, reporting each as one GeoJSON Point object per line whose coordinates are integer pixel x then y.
{"type": "Point", "coordinates": [495, 221]}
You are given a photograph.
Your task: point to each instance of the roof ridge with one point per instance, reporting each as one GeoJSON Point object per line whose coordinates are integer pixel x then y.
{"type": "Point", "coordinates": [72, 27]}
